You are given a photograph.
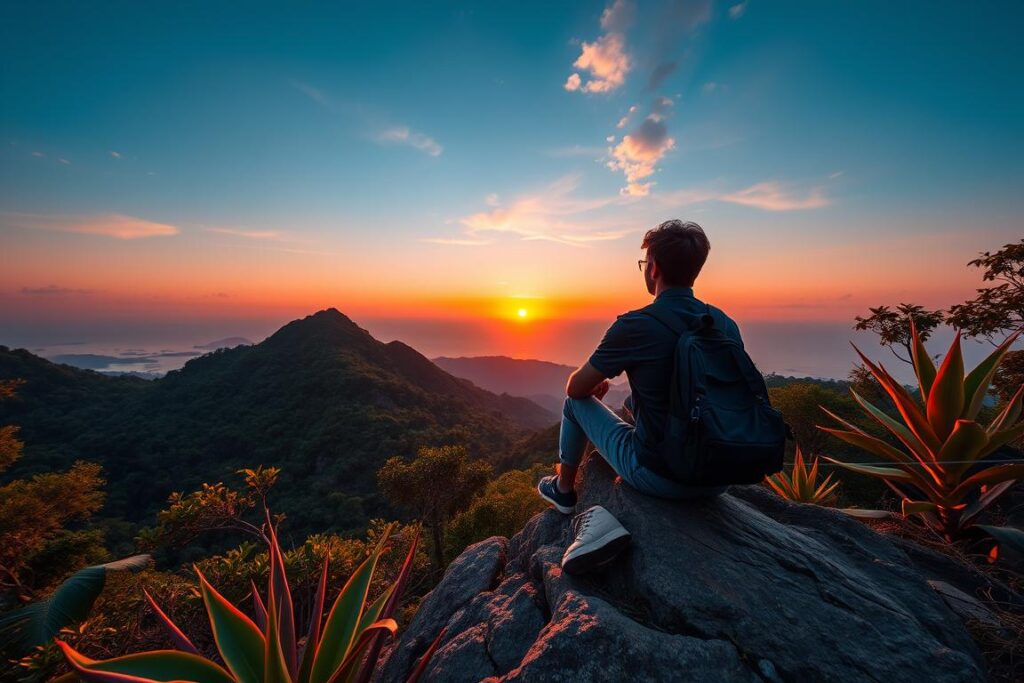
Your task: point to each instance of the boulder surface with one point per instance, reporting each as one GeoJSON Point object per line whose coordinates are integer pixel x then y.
{"type": "Point", "coordinates": [742, 587]}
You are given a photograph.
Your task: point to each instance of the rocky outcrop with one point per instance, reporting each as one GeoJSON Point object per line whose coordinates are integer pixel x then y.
{"type": "Point", "coordinates": [743, 587]}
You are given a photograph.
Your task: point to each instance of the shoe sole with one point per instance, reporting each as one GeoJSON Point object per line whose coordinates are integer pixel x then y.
{"type": "Point", "coordinates": [596, 553]}
{"type": "Point", "coordinates": [561, 508]}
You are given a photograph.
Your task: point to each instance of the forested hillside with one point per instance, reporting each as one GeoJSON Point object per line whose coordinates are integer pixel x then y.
{"type": "Point", "coordinates": [321, 398]}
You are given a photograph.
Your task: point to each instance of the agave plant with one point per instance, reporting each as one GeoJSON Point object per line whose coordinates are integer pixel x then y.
{"type": "Point", "coordinates": [941, 438]}
{"type": "Point", "coordinates": [802, 484]}
{"type": "Point", "coordinates": [342, 648]}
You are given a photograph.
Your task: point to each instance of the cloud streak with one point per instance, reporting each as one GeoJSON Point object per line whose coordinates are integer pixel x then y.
{"type": "Point", "coordinates": [109, 225]}
{"type": "Point", "coordinates": [402, 135]}
{"type": "Point", "coordinates": [270, 235]}
{"type": "Point", "coordinates": [774, 196]}
{"type": "Point", "coordinates": [551, 215]}
{"type": "Point", "coordinates": [54, 290]}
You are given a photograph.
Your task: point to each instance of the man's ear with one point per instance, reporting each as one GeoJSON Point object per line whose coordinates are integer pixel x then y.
{"type": "Point", "coordinates": [655, 271]}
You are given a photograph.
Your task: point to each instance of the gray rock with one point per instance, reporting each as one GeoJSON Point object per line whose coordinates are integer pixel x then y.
{"type": "Point", "coordinates": [967, 607]}
{"type": "Point", "coordinates": [742, 587]}
{"type": "Point", "coordinates": [477, 570]}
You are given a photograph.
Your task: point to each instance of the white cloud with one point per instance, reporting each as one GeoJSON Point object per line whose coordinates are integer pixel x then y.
{"type": "Point", "coordinates": [624, 121]}
{"type": "Point", "coordinates": [737, 10]}
{"type": "Point", "coordinates": [116, 155]}
{"type": "Point", "coordinates": [639, 152]}
{"type": "Point", "coordinates": [109, 225]}
{"type": "Point", "coordinates": [605, 59]}
{"type": "Point", "coordinates": [607, 62]}
{"type": "Point", "coordinates": [773, 196]}
{"type": "Point", "coordinates": [402, 135]}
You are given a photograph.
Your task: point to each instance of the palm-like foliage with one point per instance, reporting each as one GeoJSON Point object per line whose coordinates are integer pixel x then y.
{"type": "Point", "coordinates": [941, 438]}
{"type": "Point", "coordinates": [37, 623]}
{"type": "Point", "coordinates": [802, 484]}
{"type": "Point", "coordinates": [342, 648]}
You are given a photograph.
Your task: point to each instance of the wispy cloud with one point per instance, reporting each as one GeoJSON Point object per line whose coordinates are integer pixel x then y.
{"type": "Point", "coordinates": [309, 91]}
{"type": "Point", "coordinates": [116, 155]}
{"type": "Point", "coordinates": [624, 121]}
{"type": "Point", "coordinates": [737, 10]}
{"type": "Point", "coordinates": [674, 23]}
{"type": "Point", "coordinates": [553, 214]}
{"type": "Point", "coordinates": [54, 290]}
{"type": "Point", "coordinates": [774, 196]}
{"type": "Point", "coordinates": [109, 225]}
{"type": "Point", "coordinates": [270, 235]}
{"type": "Point", "coordinates": [639, 152]}
{"type": "Point", "coordinates": [402, 135]}
{"type": "Point", "coordinates": [606, 58]}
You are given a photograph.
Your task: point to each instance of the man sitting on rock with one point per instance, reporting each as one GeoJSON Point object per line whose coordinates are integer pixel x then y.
{"type": "Point", "coordinates": [642, 347]}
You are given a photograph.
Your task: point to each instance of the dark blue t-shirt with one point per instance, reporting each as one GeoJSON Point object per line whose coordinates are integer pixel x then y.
{"type": "Point", "coordinates": [642, 347]}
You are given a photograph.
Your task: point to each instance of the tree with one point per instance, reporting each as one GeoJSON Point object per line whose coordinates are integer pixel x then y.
{"type": "Point", "coordinates": [800, 403]}
{"type": "Point", "coordinates": [436, 485]}
{"type": "Point", "coordinates": [999, 308]}
{"type": "Point", "coordinates": [892, 328]}
{"type": "Point", "coordinates": [36, 544]}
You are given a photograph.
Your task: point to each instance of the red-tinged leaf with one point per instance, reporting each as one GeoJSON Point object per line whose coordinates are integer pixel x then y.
{"type": "Point", "coordinates": [339, 631]}
{"type": "Point", "coordinates": [176, 635]}
{"type": "Point", "coordinates": [283, 598]}
{"type": "Point", "coordinates": [978, 380]}
{"type": "Point", "coordinates": [913, 444]}
{"type": "Point", "coordinates": [1009, 414]}
{"type": "Point", "coordinates": [313, 635]}
{"type": "Point", "coordinates": [258, 608]}
{"type": "Point", "coordinates": [1007, 537]}
{"type": "Point", "coordinates": [274, 665]}
{"type": "Point", "coordinates": [923, 366]}
{"type": "Point", "coordinates": [144, 667]}
{"type": "Point", "coordinates": [988, 476]}
{"type": "Point", "coordinates": [421, 665]}
{"type": "Point", "coordinates": [390, 606]}
{"type": "Point", "coordinates": [861, 513]}
{"type": "Point", "coordinates": [1001, 438]}
{"type": "Point", "coordinates": [358, 650]}
{"type": "Point", "coordinates": [962, 447]}
{"type": "Point", "coordinates": [990, 496]}
{"type": "Point", "coordinates": [777, 483]}
{"type": "Point", "coordinates": [240, 643]}
{"type": "Point", "coordinates": [916, 507]}
{"type": "Point", "coordinates": [915, 420]}
{"type": "Point", "coordinates": [946, 400]}
{"type": "Point", "coordinates": [884, 450]}
{"type": "Point", "coordinates": [890, 473]}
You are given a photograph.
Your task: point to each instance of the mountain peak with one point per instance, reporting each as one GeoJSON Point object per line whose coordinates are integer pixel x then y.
{"type": "Point", "coordinates": [328, 325]}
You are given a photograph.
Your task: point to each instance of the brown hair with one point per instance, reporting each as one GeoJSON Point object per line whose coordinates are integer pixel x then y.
{"type": "Point", "coordinates": [680, 250]}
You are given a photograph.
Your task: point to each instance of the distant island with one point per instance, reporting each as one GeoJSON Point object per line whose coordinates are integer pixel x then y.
{"type": "Point", "coordinates": [225, 343]}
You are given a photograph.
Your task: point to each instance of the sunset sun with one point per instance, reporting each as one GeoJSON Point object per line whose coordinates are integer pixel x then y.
{"type": "Point", "coordinates": [522, 313]}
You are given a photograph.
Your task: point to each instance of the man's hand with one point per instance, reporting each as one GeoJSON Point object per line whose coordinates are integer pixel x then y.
{"type": "Point", "coordinates": [601, 389]}
{"type": "Point", "coordinates": [587, 381]}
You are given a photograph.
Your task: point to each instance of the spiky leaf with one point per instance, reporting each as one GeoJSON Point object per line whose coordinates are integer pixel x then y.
{"type": "Point", "coordinates": [180, 640]}
{"type": "Point", "coordinates": [923, 366]}
{"type": "Point", "coordinates": [946, 400]}
{"type": "Point", "coordinates": [158, 665]}
{"type": "Point", "coordinates": [977, 382]}
{"type": "Point", "coordinates": [240, 643]}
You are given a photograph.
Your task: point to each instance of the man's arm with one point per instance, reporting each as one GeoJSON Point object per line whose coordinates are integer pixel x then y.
{"type": "Point", "coordinates": [586, 381]}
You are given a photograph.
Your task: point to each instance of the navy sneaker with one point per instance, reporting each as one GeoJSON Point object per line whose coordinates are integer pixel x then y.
{"type": "Point", "coordinates": [548, 490]}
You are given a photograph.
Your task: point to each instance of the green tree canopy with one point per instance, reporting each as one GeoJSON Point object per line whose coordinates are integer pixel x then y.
{"type": "Point", "coordinates": [893, 330]}
{"type": "Point", "coordinates": [999, 308]}
{"type": "Point", "coordinates": [436, 485]}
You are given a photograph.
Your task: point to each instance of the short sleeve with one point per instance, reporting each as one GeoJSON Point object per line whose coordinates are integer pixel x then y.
{"type": "Point", "coordinates": [616, 351]}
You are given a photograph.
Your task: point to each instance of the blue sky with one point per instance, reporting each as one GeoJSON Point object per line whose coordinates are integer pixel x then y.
{"type": "Point", "coordinates": [294, 155]}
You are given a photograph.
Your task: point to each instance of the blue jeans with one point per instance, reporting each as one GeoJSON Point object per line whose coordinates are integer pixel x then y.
{"type": "Point", "coordinates": [588, 419]}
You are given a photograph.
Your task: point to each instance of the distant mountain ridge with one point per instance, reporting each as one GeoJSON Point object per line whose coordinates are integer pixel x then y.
{"type": "Point", "coordinates": [320, 398]}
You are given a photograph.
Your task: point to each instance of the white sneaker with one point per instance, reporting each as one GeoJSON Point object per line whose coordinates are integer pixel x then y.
{"type": "Point", "coordinates": [598, 539]}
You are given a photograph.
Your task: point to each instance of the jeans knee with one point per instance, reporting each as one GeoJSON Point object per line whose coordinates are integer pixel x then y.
{"type": "Point", "coordinates": [569, 406]}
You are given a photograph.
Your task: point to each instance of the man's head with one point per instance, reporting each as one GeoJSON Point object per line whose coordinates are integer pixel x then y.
{"type": "Point", "coordinates": [676, 251]}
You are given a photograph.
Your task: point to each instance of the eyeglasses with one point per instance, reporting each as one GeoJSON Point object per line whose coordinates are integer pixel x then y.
{"type": "Point", "coordinates": [641, 263]}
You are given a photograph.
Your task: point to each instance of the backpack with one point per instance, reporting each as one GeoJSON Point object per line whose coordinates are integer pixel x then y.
{"type": "Point", "coordinates": [721, 427]}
